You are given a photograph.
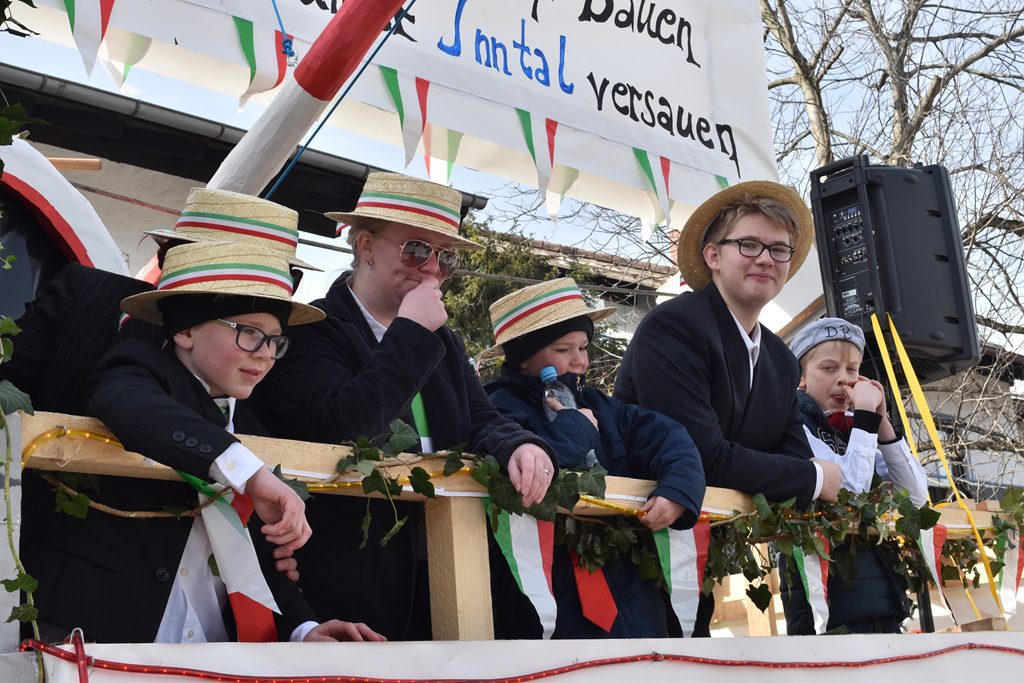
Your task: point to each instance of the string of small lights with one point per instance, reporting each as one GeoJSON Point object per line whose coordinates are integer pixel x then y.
{"type": "Point", "coordinates": [79, 656]}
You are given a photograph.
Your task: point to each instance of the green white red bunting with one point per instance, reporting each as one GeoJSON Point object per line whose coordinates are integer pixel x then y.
{"type": "Point", "coordinates": [263, 49]}
{"type": "Point", "coordinates": [657, 178]}
{"type": "Point", "coordinates": [440, 148]}
{"type": "Point", "coordinates": [813, 572]}
{"type": "Point", "coordinates": [88, 20]}
{"type": "Point", "coordinates": [409, 95]}
{"type": "Point", "coordinates": [931, 542]}
{"type": "Point", "coordinates": [528, 545]}
{"type": "Point", "coordinates": [553, 180]}
{"type": "Point", "coordinates": [1009, 576]}
{"type": "Point", "coordinates": [683, 556]}
{"type": "Point", "coordinates": [124, 50]}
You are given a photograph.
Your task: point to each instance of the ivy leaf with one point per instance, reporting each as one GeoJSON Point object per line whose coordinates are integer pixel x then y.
{"type": "Point", "coordinates": [365, 527]}
{"type": "Point", "coordinates": [12, 398]}
{"type": "Point", "coordinates": [8, 327]}
{"type": "Point", "coordinates": [760, 595]}
{"type": "Point", "coordinates": [374, 483]}
{"type": "Point", "coordinates": [365, 467]}
{"type": "Point", "coordinates": [362, 449]}
{"type": "Point", "coordinates": [403, 438]}
{"type": "Point", "coordinates": [23, 582]}
{"type": "Point", "coordinates": [547, 508]}
{"type": "Point", "coordinates": [761, 504]}
{"type": "Point", "coordinates": [211, 562]}
{"type": "Point", "coordinates": [76, 507]}
{"type": "Point", "coordinates": [23, 613]}
{"type": "Point", "coordinates": [486, 469]}
{"type": "Point", "coordinates": [299, 487]}
{"type": "Point", "coordinates": [419, 479]}
{"type": "Point", "coordinates": [453, 463]}
{"type": "Point", "coordinates": [504, 495]}
{"type": "Point", "coordinates": [567, 489]}
{"type": "Point", "coordinates": [394, 530]}
{"type": "Point", "coordinates": [592, 481]}
{"type": "Point", "coordinates": [929, 517]}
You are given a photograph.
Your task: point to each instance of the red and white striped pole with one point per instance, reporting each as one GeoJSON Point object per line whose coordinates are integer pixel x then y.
{"type": "Point", "coordinates": [304, 96]}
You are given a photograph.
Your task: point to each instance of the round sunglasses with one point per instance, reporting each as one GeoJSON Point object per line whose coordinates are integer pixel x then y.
{"type": "Point", "coordinates": [416, 254]}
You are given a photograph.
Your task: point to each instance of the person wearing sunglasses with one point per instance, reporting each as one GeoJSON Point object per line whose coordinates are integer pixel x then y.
{"type": "Point", "coordinates": [384, 353]}
{"type": "Point", "coordinates": [704, 360]}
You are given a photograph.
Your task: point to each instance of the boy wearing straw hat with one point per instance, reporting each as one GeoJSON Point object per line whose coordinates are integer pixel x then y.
{"type": "Point", "coordinates": [845, 420]}
{"type": "Point", "coordinates": [384, 353]}
{"type": "Point", "coordinates": [77, 319]}
{"type": "Point", "coordinates": [223, 307]}
{"type": "Point", "coordinates": [549, 324]}
{"type": "Point", "coordinates": [705, 360]}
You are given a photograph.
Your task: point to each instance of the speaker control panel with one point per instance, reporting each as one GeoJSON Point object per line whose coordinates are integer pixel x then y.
{"type": "Point", "coordinates": [849, 251]}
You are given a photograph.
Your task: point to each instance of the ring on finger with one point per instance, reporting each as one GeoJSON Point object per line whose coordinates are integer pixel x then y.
{"type": "Point", "coordinates": [544, 471]}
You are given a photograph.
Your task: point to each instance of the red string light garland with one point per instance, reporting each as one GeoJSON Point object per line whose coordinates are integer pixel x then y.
{"type": "Point", "coordinates": [80, 658]}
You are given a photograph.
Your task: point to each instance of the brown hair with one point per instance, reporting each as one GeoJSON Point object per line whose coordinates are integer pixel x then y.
{"type": "Point", "coordinates": [744, 206]}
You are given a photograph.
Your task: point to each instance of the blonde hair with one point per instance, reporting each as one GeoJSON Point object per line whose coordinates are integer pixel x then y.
{"type": "Point", "coordinates": [744, 206]}
{"type": "Point", "coordinates": [845, 348]}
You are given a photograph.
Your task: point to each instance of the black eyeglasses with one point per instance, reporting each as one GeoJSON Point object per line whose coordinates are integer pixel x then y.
{"type": "Point", "coordinates": [416, 253]}
{"type": "Point", "coordinates": [252, 339]}
{"type": "Point", "coordinates": [782, 253]}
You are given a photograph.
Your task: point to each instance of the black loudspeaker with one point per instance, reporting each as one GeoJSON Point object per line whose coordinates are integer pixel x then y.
{"type": "Point", "coordinates": [889, 242]}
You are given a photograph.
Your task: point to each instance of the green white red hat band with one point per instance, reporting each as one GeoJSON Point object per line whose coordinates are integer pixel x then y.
{"type": "Point", "coordinates": [421, 207]}
{"type": "Point", "coordinates": [241, 226]}
{"type": "Point", "coordinates": [239, 272]}
{"type": "Point", "coordinates": [534, 305]}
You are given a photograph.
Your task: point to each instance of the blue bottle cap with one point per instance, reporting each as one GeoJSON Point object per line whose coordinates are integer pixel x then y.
{"type": "Point", "coordinates": [548, 373]}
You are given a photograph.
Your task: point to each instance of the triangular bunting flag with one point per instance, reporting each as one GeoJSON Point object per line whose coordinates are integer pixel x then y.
{"type": "Point", "coordinates": [1009, 576]}
{"type": "Point", "coordinates": [528, 546]}
{"type": "Point", "coordinates": [931, 542]}
{"type": "Point", "coordinates": [263, 49]}
{"type": "Point", "coordinates": [814, 577]}
{"type": "Point", "coordinates": [553, 180]}
{"type": "Point", "coordinates": [124, 50]}
{"type": "Point", "coordinates": [440, 149]}
{"type": "Point", "coordinates": [683, 556]}
{"type": "Point", "coordinates": [88, 20]}
{"type": "Point", "coordinates": [657, 179]}
{"type": "Point", "coordinates": [409, 95]}
{"type": "Point", "coordinates": [596, 600]}
{"type": "Point", "coordinates": [240, 569]}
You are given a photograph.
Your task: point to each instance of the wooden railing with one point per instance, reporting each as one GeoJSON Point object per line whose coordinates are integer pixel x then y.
{"type": "Point", "coordinates": [456, 527]}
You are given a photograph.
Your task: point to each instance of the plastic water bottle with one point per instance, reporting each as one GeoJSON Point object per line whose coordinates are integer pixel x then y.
{"type": "Point", "coordinates": [561, 393]}
{"type": "Point", "coordinates": [556, 390]}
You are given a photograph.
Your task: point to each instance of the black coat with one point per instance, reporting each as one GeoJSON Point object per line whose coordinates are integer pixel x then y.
{"type": "Point", "coordinates": [337, 383]}
{"type": "Point", "coordinates": [688, 361]}
{"type": "Point", "coordinates": [158, 408]}
{"type": "Point", "coordinates": [632, 442]}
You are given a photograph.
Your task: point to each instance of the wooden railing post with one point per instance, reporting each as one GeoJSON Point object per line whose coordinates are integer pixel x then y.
{"type": "Point", "coordinates": [460, 575]}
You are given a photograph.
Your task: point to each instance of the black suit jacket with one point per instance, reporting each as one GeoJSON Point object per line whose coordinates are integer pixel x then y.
{"type": "Point", "coordinates": [688, 361]}
{"type": "Point", "coordinates": [337, 383]}
{"type": "Point", "coordinates": [158, 408]}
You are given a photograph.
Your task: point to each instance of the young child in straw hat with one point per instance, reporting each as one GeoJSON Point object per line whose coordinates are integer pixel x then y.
{"type": "Point", "coordinates": [549, 324]}
{"type": "Point", "coordinates": [224, 308]}
{"type": "Point", "coordinates": [845, 420]}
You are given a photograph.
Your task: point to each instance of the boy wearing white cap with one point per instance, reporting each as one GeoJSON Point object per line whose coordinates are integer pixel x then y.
{"type": "Point", "coordinates": [845, 419]}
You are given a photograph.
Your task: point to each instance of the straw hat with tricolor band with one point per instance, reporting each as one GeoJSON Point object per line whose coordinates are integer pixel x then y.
{"type": "Point", "coordinates": [397, 198]}
{"type": "Point", "coordinates": [692, 266]}
{"type": "Point", "coordinates": [538, 306]}
{"type": "Point", "coordinates": [227, 268]}
{"type": "Point", "coordinates": [222, 216]}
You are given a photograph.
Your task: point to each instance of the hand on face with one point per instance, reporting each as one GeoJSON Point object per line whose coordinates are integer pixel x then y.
{"type": "Point", "coordinates": [866, 396]}
{"type": "Point", "coordinates": [424, 305]}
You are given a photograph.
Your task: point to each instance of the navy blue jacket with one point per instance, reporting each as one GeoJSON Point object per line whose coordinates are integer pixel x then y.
{"type": "Point", "coordinates": [632, 442]}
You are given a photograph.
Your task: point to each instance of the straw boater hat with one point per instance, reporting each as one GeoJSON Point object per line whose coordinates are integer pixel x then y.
{"type": "Point", "coordinates": [695, 270]}
{"type": "Point", "coordinates": [221, 268]}
{"type": "Point", "coordinates": [222, 216]}
{"type": "Point", "coordinates": [397, 198]}
{"type": "Point", "coordinates": [538, 306]}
